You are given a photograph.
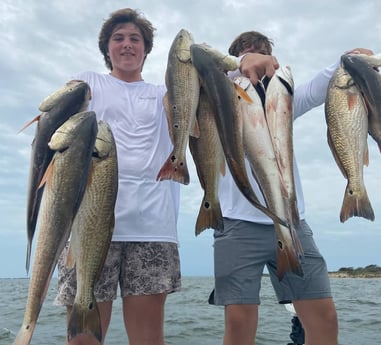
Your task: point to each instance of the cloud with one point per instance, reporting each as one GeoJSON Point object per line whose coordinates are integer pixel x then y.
{"type": "Point", "coordinates": [43, 44]}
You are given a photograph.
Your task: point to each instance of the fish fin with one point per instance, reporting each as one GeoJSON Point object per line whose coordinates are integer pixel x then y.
{"type": "Point", "coordinates": [289, 259]}
{"type": "Point", "coordinates": [209, 216]}
{"type": "Point", "coordinates": [243, 94]}
{"type": "Point", "coordinates": [335, 155]}
{"type": "Point", "coordinates": [47, 175]}
{"type": "Point", "coordinates": [356, 206]}
{"type": "Point", "coordinates": [222, 168]}
{"type": "Point", "coordinates": [84, 320]}
{"type": "Point", "coordinates": [70, 258]}
{"type": "Point", "coordinates": [169, 120]}
{"type": "Point", "coordinates": [36, 119]}
{"type": "Point", "coordinates": [174, 169]}
{"type": "Point", "coordinates": [195, 130]}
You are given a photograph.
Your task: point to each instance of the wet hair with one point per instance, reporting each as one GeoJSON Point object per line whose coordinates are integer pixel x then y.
{"type": "Point", "coordinates": [250, 39]}
{"type": "Point", "coordinates": [121, 17]}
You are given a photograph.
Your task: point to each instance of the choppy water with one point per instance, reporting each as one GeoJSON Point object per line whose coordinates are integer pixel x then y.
{"type": "Point", "coordinates": [191, 321]}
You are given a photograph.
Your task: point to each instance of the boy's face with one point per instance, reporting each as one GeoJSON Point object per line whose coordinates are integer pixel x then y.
{"type": "Point", "coordinates": [126, 49]}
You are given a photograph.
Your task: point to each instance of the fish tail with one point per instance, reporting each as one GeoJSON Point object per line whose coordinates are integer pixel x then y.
{"type": "Point", "coordinates": [25, 334]}
{"type": "Point", "coordinates": [288, 258]}
{"type": "Point", "coordinates": [287, 261]}
{"type": "Point", "coordinates": [356, 206]}
{"type": "Point", "coordinates": [210, 216]}
{"type": "Point", "coordinates": [174, 169]}
{"type": "Point", "coordinates": [84, 320]}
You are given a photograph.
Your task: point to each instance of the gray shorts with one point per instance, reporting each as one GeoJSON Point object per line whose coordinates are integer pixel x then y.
{"type": "Point", "coordinates": [243, 249]}
{"type": "Point", "coordinates": [139, 268]}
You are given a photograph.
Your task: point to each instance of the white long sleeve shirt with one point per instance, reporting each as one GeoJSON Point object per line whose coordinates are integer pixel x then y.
{"type": "Point", "coordinates": [146, 209]}
{"type": "Point", "coordinates": [233, 204]}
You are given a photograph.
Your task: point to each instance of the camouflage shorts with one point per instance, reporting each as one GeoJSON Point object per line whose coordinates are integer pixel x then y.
{"type": "Point", "coordinates": [139, 268]}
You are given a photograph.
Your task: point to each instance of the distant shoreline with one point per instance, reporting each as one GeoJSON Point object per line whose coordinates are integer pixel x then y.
{"type": "Point", "coordinates": [371, 271]}
{"type": "Point", "coordinates": [348, 275]}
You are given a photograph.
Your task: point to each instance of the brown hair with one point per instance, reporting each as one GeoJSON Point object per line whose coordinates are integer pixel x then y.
{"type": "Point", "coordinates": [120, 17]}
{"type": "Point", "coordinates": [250, 39]}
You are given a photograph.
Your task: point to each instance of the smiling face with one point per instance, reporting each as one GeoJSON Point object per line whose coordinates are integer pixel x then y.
{"type": "Point", "coordinates": [126, 51]}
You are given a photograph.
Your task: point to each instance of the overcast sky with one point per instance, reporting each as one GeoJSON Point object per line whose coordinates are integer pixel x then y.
{"type": "Point", "coordinates": [42, 43]}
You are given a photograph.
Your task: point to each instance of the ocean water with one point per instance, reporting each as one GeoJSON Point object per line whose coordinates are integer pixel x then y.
{"type": "Point", "coordinates": [191, 321]}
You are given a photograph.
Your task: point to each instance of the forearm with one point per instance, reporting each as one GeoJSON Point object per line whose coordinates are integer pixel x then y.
{"type": "Point", "coordinates": [313, 93]}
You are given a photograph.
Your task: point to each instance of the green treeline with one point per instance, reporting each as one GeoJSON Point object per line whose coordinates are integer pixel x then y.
{"type": "Point", "coordinates": [370, 270]}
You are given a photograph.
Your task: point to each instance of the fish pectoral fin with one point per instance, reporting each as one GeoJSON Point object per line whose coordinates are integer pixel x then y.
{"type": "Point", "coordinates": [36, 119]}
{"type": "Point", "coordinates": [70, 259]}
{"type": "Point", "coordinates": [243, 94]}
{"type": "Point", "coordinates": [222, 168]}
{"type": "Point", "coordinates": [48, 174]}
{"type": "Point", "coordinates": [195, 130]}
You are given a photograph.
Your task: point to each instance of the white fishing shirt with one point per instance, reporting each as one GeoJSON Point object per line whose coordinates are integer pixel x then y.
{"type": "Point", "coordinates": [233, 204]}
{"type": "Point", "coordinates": [146, 209]}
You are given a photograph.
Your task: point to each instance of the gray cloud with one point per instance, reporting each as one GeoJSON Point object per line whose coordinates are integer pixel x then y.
{"type": "Point", "coordinates": [43, 43]}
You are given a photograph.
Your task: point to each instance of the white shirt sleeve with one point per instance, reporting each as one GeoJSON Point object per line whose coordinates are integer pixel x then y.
{"type": "Point", "coordinates": [313, 93]}
{"type": "Point", "coordinates": [237, 72]}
